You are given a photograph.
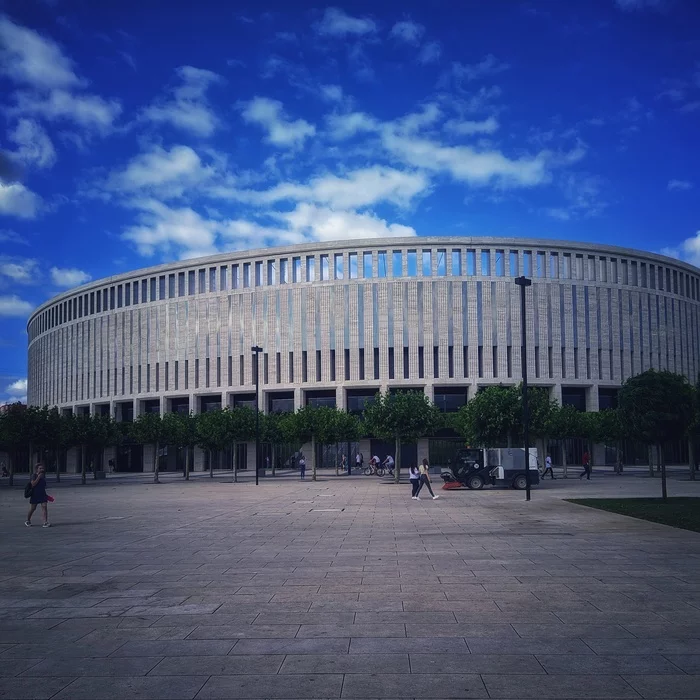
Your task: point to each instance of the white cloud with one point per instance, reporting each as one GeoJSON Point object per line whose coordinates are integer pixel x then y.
{"type": "Point", "coordinates": [12, 305]}
{"type": "Point", "coordinates": [170, 230]}
{"type": "Point", "coordinates": [489, 65]}
{"type": "Point", "coordinates": [8, 236]}
{"type": "Point", "coordinates": [631, 5]}
{"type": "Point", "coordinates": [85, 110]}
{"type": "Point", "coordinates": [187, 107]}
{"type": "Point", "coordinates": [69, 276]}
{"type": "Point", "coordinates": [19, 270]}
{"type": "Point", "coordinates": [429, 53]}
{"type": "Point", "coordinates": [168, 173]}
{"type": "Point", "coordinates": [28, 58]}
{"type": "Point", "coordinates": [583, 194]}
{"type": "Point", "coordinates": [358, 189]}
{"type": "Point", "coordinates": [332, 93]}
{"type": "Point", "coordinates": [345, 126]}
{"type": "Point", "coordinates": [688, 250]}
{"type": "Point", "coordinates": [467, 128]}
{"type": "Point", "coordinates": [34, 146]}
{"type": "Point", "coordinates": [269, 114]}
{"type": "Point", "coordinates": [17, 200]}
{"type": "Point", "coordinates": [323, 224]}
{"type": "Point", "coordinates": [17, 388]}
{"type": "Point", "coordinates": [408, 32]}
{"type": "Point", "coordinates": [336, 23]}
{"type": "Point", "coordinates": [679, 185]}
{"type": "Point", "coordinates": [428, 115]}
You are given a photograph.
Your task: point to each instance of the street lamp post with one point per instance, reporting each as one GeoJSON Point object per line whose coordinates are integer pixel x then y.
{"type": "Point", "coordinates": [524, 282]}
{"type": "Point", "coordinates": [257, 350]}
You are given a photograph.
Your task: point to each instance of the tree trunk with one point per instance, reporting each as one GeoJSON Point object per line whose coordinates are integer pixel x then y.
{"type": "Point", "coordinates": [397, 460]}
{"type": "Point", "coordinates": [650, 452]}
{"type": "Point", "coordinates": [275, 449]}
{"type": "Point", "coordinates": [156, 463]}
{"type": "Point", "coordinates": [11, 459]}
{"type": "Point", "coordinates": [313, 458]}
{"type": "Point", "coordinates": [187, 463]}
{"type": "Point", "coordinates": [563, 458]}
{"type": "Point", "coordinates": [211, 464]}
{"type": "Point", "coordinates": [235, 462]}
{"type": "Point", "coordinates": [691, 458]}
{"type": "Point", "coordinates": [336, 459]}
{"type": "Point", "coordinates": [664, 494]}
{"type": "Point", "coordinates": [83, 465]}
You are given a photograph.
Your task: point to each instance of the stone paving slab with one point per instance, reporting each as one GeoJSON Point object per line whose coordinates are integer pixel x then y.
{"type": "Point", "coordinates": [345, 589]}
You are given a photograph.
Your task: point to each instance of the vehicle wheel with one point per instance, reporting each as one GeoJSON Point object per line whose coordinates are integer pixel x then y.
{"type": "Point", "coordinates": [367, 471]}
{"type": "Point", "coordinates": [380, 471]}
{"type": "Point", "coordinates": [475, 483]}
{"type": "Point", "coordinates": [520, 482]}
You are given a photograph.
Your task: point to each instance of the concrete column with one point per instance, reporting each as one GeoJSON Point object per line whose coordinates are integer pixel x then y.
{"type": "Point", "coordinates": [592, 399]}
{"type": "Point", "coordinates": [423, 450]}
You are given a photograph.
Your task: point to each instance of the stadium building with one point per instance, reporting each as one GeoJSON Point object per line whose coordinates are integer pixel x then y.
{"type": "Point", "coordinates": [338, 322]}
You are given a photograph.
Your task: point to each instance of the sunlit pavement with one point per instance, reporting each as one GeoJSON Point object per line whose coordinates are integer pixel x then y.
{"type": "Point", "coordinates": [345, 587]}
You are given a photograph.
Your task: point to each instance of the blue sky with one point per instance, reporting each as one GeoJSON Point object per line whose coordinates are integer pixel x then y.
{"type": "Point", "coordinates": [135, 133]}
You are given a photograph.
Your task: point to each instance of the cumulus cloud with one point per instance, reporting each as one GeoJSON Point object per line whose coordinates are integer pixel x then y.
{"type": "Point", "coordinates": [19, 270]}
{"type": "Point", "coordinates": [186, 106]}
{"type": "Point", "coordinates": [167, 173]}
{"type": "Point", "coordinates": [33, 145]}
{"type": "Point", "coordinates": [17, 200]}
{"type": "Point", "coordinates": [468, 128]}
{"type": "Point", "coordinates": [12, 305]}
{"type": "Point", "coordinates": [688, 250]}
{"type": "Point", "coordinates": [679, 185]}
{"type": "Point", "coordinates": [408, 32]}
{"type": "Point", "coordinates": [270, 115]}
{"type": "Point", "coordinates": [17, 388]}
{"type": "Point", "coordinates": [69, 276]}
{"type": "Point", "coordinates": [336, 23]}
{"type": "Point", "coordinates": [28, 58]}
{"type": "Point", "coordinates": [461, 74]}
{"type": "Point", "coordinates": [345, 126]}
{"type": "Point", "coordinates": [430, 52]}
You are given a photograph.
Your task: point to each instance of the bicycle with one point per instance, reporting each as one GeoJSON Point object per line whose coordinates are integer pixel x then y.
{"type": "Point", "coordinates": [371, 469]}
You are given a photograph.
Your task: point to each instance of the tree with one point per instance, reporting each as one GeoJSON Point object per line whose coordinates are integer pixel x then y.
{"type": "Point", "coordinates": [13, 434]}
{"type": "Point", "coordinates": [658, 408]}
{"type": "Point", "coordinates": [348, 429]}
{"type": "Point", "coordinates": [611, 430]}
{"type": "Point", "coordinates": [541, 409]}
{"type": "Point", "coordinates": [492, 418]}
{"type": "Point", "coordinates": [694, 432]}
{"type": "Point", "coordinates": [147, 429]}
{"type": "Point", "coordinates": [242, 430]}
{"type": "Point", "coordinates": [404, 416]}
{"type": "Point", "coordinates": [315, 424]}
{"type": "Point", "coordinates": [180, 431]}
{"type": "Point", "coordinates": [565, 422]}
{"type": "Point", "coordinates": [214, 433]}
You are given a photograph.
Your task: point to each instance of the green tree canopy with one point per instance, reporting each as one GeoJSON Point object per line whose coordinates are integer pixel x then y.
{"type": "Point", "coordinates": [147, 429]}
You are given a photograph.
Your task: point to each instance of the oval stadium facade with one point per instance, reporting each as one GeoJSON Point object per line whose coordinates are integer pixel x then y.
{"type": "Point", "coordinates": [339, 321]}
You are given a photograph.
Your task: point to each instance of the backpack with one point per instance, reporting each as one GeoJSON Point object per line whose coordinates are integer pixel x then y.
{"type": "Point", "coordinates": [28, 489]}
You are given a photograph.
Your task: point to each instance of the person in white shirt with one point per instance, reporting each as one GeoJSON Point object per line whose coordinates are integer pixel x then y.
{"type": "Point", "coordinates": [424, 470]}
{"type": "Point", "coordinates": [548, 467]}
{"type": "Point", "coordinates": [389, 464]}
{"type": "Point", "coordinates": [414, 477]}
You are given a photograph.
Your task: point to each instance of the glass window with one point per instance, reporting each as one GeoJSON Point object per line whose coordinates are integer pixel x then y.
{"type": "Point", "coordinates": [284, 271]}
{"type": "Point", "coordinates": [527, 263]}
{"type": "Point", "coordinates": [171, 286]}
{"type": "Point", "coordinates": [500, 263]}
{"type": "Point", "coordinates": [367, 265]}
{"type": "Point", "coordinates": [541, 271]}
{"type": "Point", "coordinates": [80, 307]}
{"type": "Point", "coordinates": [625, 278]}
{"type": "Point", "coordinates": [127, 294]}
{"type": "Point", "coordinates": [202, 281]}
{"type": "Point", "coordinates": [223, 274]}
{"type": "Point", "coordinates": [613, 270]}
{"type": "Point", "coordinates": [382, 269]}
{"type": "Point", "coordinates": [427, 263]}
{"type": "Point", "coordinates": [136, 293]}
{"type": "Point", "coordinates": [92, 301]}
{"type": "Point", "coordinates": [397, 263]}
{"type": "Point", "coordinates": [161, 287]}
{"type": "Point", "coordinates": [181, 284]}
{"type": "Point", "coordinates": [212, 279]}
{"type": "Point", "coordinates": [310, 268]}
{"type": "Point", "coordinates": [412, 263]}
{"type": "Point", "coordinates": [152, 284]}
{"type": "Point", "coordinates": [338, 266]}
{"type": "Point", "coordinates": [471, 262]}
{"type": "Point", "coordinates": [246, 275]}
{"type": "Point", "coordinates": [120, 297]}
{"type": "Point", "coordinates": [258, 273]}
{"type": "Point", "coordinates": [675, 282]}
{"type": "Point", "coordinates": [352, 265]}
{"type": "Point", "coordinates": [485, 263]}
{"type": "Point", "coordinates": [566, 266]}
{"type": "Point", "coordinates": [442, 263]}
{"type": "Point", "coordinates": [190, 282]}
{"type": "Point", "coordinates": [633, 274]}
{"type": "Point", "coordinates": [553, 265]}
{"type": "Point", "coordinates": [652, 276]}
{"type": "Point", "coordinates": [661, 277]}
{"type": "Point", "coordinates": [591, 268]}
{"type": "Point", "coordinates": [578, 270]}
{"type": "Point", "coordinates": [235, 277]}
{"type": "Point", "coordinates": [270, 272]}
{"type": "Point", "coordinates": [296, 270]}
{"type": "Point", "coordinates": [603, 270]}
{"type": "Point", "coordinates": [111, 299]}
{"type": "Point", "coordinates": [513, 263]}
{"type": "Point", "coordinates": [324, 267]}
{"type": "Point", "coordinates": [457, 263]}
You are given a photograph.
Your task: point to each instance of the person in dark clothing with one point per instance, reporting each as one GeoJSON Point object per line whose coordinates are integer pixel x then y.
{"type": "Point", "coordinates": [39, 496]}
{"type": "Point", "coordinates": [548, 468]}
{"type": "Point", "coordinates": [424, 470]}
{"type": "Point", "coordinates": [586, 466]}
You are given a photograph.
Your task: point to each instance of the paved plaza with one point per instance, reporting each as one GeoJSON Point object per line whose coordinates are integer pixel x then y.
{"type": "Point", "coordinates": [345, 588]}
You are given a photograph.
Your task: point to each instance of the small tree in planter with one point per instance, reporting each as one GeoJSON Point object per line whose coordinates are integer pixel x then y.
{"type": "Point", "coordinates": [404, 416]}
{"type": "Point", "coordinates": [492, 418]}
{"type": "Point", "coordinates": [315, 424]}
{"type": "Point", "coordinates": [214, 432]}
{"type": "Point", "coordinates": [242, 421]}
{"type": "Point", "coordinates": [147, 429]}
{"type": "Point", "coordinates": [565, 423]}
{"type": "Point", "coordinates": [180, 431]}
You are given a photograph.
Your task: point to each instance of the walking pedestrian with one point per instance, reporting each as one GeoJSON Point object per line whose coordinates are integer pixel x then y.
{"type": "Point", "coordinates": [302, 467]}
{"type": "Point", "coordinates": [39, 496]}
{"type": "Point", "coordinates": [548, 468]}
{"type": "Point", "coordinates": [414, 476]}
{"type": "Point", "coordinates": [358, 461]}
{"type": "Point", "coordinates": [424, 470]}
{"type": "Point", "coordinates": [586, 466]}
